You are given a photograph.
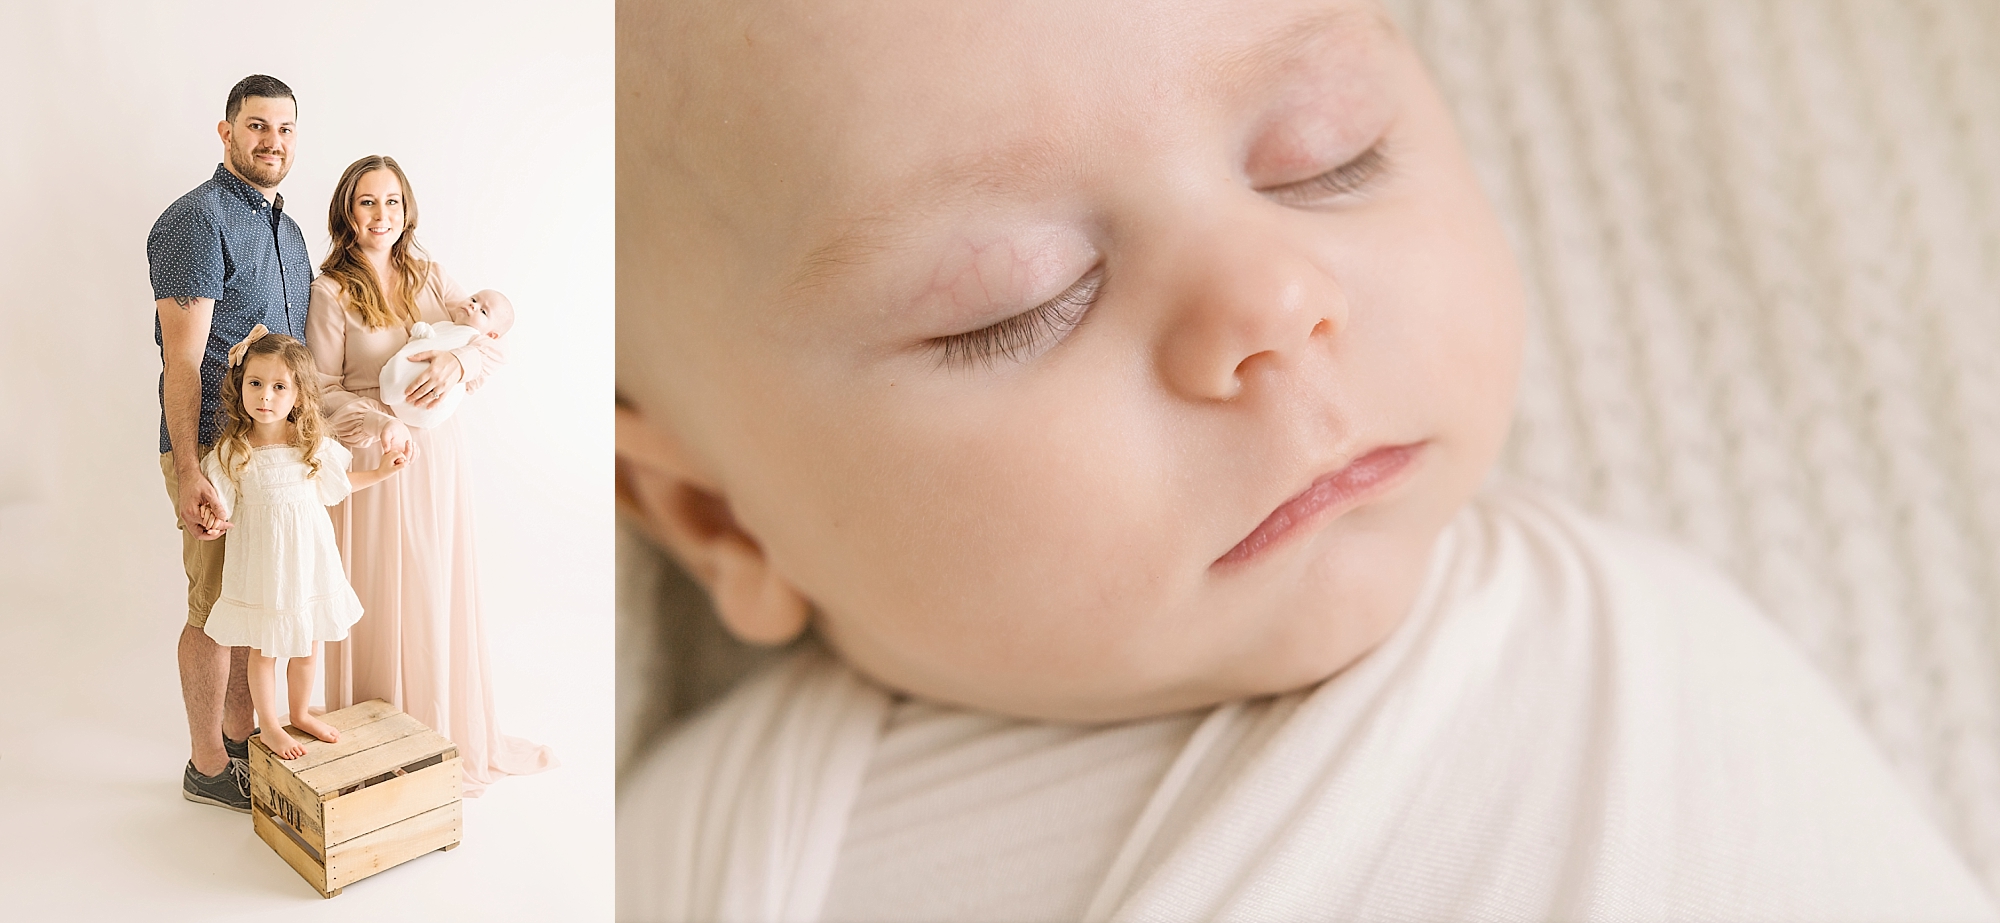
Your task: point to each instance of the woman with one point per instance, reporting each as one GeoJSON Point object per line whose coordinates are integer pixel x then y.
{"type": "Point", "coordinates": [409, 548]}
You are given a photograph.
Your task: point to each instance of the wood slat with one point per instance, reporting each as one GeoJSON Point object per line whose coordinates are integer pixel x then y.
{"type": "Point", "coordinates": [343, 720]}
{"type": "Point", "coordinates": [295, 856]}
{"type": "Point", "coordinates": [354, 740]}
{"type": "Point", "coordinates": [378, 806]}
{"type": "Point", "coordinates": [358, 767]}
{"type": "Point", "coordinates": [392, 845]}
{"type": "Point", "coordinates": [268, 775]}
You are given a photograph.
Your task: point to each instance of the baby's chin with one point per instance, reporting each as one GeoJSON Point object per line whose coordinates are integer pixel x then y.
{"type": "Point", "coordinates": [1317, 645]}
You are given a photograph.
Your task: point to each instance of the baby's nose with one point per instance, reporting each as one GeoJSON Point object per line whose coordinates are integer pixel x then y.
{"type": "Point", "coordinates": [1252, 305]}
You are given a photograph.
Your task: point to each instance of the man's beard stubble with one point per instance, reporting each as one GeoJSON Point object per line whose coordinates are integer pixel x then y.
{"type": "Point", "coordinates": [259, 175]}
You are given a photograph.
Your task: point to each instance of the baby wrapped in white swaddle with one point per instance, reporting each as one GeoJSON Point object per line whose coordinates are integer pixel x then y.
{"type": "Point", "coordinates": [1119, 449]}
{"type": "Point", "coordinates": [489, 315]}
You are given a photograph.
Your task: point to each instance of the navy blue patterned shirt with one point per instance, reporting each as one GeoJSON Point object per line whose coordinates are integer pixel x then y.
{"type": "Point", "coordinates": [223, 241]}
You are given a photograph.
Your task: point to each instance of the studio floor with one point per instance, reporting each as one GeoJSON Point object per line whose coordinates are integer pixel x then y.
{"type": "Point", "coordinates": [92, 741]}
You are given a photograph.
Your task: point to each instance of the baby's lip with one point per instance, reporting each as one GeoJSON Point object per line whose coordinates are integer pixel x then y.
{"type": "Point", "coordinates": [1329, 496]}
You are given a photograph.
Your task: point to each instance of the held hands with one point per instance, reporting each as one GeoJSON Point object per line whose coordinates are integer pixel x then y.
{"type": "Point", "coordinates": [396, 439]}
{"type": "Point", "coordinates": [445, 370]}
{"type": "Point", "coordinates": [392, 461]}
{"type": "Point", "coordinates": [200, 506]}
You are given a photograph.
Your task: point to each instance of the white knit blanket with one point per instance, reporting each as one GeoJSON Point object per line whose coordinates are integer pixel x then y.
{"type": "Point", "coordinates": [1575, 723]}
{"type": "Point", "coordinates": [1762, 239]}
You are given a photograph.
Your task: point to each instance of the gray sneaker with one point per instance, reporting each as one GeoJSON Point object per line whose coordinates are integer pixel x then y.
{"type": "Point", "coordinates": [238, 749]}
{"type": "Point", "coordinates": [229, 788]}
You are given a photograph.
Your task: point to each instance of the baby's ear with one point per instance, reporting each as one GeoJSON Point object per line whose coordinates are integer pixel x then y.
{"type": "Point", "coordinates": [682, 511]}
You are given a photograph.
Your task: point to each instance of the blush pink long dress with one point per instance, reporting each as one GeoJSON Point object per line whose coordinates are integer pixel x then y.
{"type": "Point", "coordinates": [408, 543]}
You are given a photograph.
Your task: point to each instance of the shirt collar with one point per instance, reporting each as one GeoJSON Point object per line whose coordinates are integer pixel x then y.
{"type": "Point", "coordinates": [234, 183]}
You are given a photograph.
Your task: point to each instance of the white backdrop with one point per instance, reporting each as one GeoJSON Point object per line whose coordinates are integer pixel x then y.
{"type": "Point", "coordinates": [502, 116]}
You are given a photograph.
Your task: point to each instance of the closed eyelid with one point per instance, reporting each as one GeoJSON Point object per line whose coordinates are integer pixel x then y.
{"type": "Point", "coordinates": [1025, 334]}
{"type": "Point", "coordinates": [1353, 176]}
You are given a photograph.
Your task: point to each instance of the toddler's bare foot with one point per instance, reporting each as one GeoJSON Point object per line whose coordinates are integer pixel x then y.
{"type": "Point", "coordinates": [317, 728]}
{"type": "Point", "coordinates": [281, 743]}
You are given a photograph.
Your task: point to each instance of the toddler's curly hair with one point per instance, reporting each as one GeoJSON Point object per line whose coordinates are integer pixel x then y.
{"type": "Point", "coordinates": [307, 424]}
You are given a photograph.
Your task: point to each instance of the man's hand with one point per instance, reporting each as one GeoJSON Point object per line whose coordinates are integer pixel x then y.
{"type": "Point", "coordinates": [445, 371]}
{"type": "Point", "coordinates": [200, 506]}
{"type": "Point", "coordinates": [184, 325]}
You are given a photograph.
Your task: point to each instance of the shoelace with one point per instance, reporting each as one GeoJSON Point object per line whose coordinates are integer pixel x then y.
{"type": "Point", "coordinates": [241, 770]}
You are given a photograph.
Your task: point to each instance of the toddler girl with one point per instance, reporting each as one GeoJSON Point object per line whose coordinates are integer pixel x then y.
{"type": "Point", "coordinates": [283, 590]}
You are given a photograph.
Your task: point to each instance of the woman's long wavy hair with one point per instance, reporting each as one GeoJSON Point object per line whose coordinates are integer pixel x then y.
{"type": "Point", "coordinates": [346, 265]}
{"type": "Point", "coordinates": [307, 425]}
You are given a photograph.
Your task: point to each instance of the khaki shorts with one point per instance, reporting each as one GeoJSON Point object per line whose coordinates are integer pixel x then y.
{"type": "Point", "coordinates": [203, 560]}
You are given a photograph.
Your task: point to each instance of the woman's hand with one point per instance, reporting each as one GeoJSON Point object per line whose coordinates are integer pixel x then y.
{"type": "Point", "coordinates": [444, 372]}
{"type": "Point", "coordinates": [396, 440]}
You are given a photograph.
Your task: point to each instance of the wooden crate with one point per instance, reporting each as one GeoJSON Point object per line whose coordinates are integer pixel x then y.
{"type": "Point", "coordinates": [387, 793]}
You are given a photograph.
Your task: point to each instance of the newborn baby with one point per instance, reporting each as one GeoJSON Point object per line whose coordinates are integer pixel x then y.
{"type": "Point", "coordinates": [1106, 390]}
{"type": "Point", "coordinates": [489, 314]}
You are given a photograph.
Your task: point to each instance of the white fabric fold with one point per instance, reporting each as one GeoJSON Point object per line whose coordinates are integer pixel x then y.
{"type": "Point", "coordinates": [758, 796]}
{"type": "Point", "coordinates": [1574, 723]}
{"type": "Point", "coordinates": [399, 373]}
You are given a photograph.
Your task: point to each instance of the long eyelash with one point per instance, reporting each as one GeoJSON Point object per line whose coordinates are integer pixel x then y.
{"type": "Point", "coordinates": [1025, 333]}
{"type": "Point", "coordinates": [1350, 177]}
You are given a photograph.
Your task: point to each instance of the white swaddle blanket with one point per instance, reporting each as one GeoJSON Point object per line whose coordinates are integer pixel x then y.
{"type": "Point", "coordinates": [1574, 723]}
{"type": "Point", "coordinates": [399, 372]}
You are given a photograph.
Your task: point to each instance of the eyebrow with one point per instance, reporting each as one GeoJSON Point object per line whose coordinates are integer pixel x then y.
{"type": "Point", "coordinates": [1001, 169]}
{"type": "Point", "coordinates": [1022, 164]}
{"type": "Point", "coordinates": [1293, 40]}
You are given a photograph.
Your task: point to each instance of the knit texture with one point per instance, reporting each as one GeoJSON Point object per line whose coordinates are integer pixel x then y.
{"type": "Point", "coordinates": [1762, 247]}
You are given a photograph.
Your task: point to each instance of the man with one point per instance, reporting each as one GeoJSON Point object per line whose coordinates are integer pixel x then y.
{"type": "Point", "coordinates": [223, 258]}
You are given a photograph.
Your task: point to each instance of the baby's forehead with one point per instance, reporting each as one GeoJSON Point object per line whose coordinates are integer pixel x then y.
{"type": "Point", "coordinates": [864, 108]}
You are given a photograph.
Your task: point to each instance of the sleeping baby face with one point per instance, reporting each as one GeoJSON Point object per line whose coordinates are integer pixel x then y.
{"type": "Point", "coordinates": [1071, 361]}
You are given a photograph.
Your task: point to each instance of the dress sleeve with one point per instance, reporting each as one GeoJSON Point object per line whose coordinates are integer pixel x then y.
{"type": "Point", "coordinates": [225, 489]}
{"type": "Point", "coordinates": [334, 460]}
{"type": "Point", "coordinates": [353, 419]}
{"type": "Point", "coordinates": [482, 354]}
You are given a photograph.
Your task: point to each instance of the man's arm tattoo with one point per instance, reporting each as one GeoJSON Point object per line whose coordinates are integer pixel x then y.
{"type": "Point", "coordinates": [183, 301]}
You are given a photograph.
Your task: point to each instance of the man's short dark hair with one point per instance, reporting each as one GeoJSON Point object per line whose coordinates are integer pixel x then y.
{"type": "Point", "coordinates": [256, 85]}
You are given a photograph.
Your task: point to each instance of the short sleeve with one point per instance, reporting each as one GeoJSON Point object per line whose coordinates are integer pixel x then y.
{"type": "Point", "coordinates": [225, 489]}
{"type": "Point", "coordinates": [184, 254]}
{"type": "Point", "coordinates": [334, 460]}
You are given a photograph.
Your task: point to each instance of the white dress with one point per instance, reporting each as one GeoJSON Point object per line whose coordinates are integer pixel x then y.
{"type": "Point", "coordinates": [282, 584]}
